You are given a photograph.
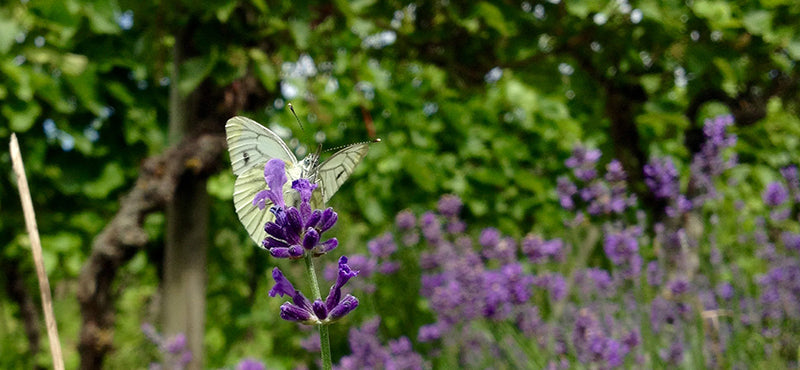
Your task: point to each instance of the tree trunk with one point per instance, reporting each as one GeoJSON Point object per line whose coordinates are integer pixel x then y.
{"type": "Point", "coordinates": [184, 283]}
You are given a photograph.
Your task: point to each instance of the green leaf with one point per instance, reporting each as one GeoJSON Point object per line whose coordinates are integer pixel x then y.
{"type": "Point", "coordinates": [494, 18]}
{"type": "Point", "coordinates": [84, 85]}
{"type": "Point", "coordinates": [194, 71]}
{"type": "Point", "coordinates": [62, 242]}
{"type": "Point", "coordinates": [419, 168]}
{"type": "Point", "coordinates": [110, 179]}
{"type": "Point", "coordinates": [220, 186]}
{"type": "Point", "coordinates": [301, 32]}
{"type": "Point", "coordinates": [793, 48]}
{"type": "Point", "coordinates": [101, 17]}
{"type": "Point", "coordinates": [8, 30]}
{"type": "Point", "coordinates": [265, 70]}
{"type": "Point", "coordinates": [718, 13]}
{"type": "Point", "coordinates": [758, 22]}
{"type": "Point", "coordinates": [73, 64]}
{"type": "Point", "coordinates": [21, 115]}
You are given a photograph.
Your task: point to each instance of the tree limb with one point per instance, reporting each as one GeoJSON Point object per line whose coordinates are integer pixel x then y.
{"type": "Point", "coordinates": [124, 236]}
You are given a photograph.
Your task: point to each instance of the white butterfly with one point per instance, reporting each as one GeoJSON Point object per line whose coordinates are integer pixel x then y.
{"type": "Point", "coordinates": [251, 145]}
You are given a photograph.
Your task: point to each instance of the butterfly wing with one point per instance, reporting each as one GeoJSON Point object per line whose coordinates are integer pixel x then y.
{"type": "Point", "coordinates": [252, 145]}
{"type": "Point", "coordinates": [247, 185]}
{"type": "Point", "coordinates": [334, 172]}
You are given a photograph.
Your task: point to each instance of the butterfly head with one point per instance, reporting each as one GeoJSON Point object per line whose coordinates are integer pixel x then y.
{"type": "Point", "coordinates": [310, 164]}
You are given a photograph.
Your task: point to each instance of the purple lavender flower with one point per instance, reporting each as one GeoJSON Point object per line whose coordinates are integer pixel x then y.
{"type": "Point", "coordinates": [661, 177]}
{"type": "Point", "coordinates": [489, 238]}
{"type": "Point", "coordinates": [365, 265]}
{"type": "Point", "coordinates": [632, 339]}
{"type": "Point", "coordinates": [403, 355]}
{"type": "Point", "coordinates": [496, 296]}
{"type": "Point", "coordinates": [681, 206]}
{"type": "Point", "coordinates": [583, 162]}
{"type": "Point", "coordinates": [382, 246]}
{"type": "Point", "coordinates": [725, 291]}
{"type": "Point", "coordinates": [554, 283]}
{"type": "Point", "coordinates": [709, 162]}
{"type": "Point", "coordinates": [504, 251]}
{"type": "Point", "coordinates": [368, 353]}
{"type": "Point", "coordinates": [311, 342]}
{"type": "Point", "coordinates": [654, 274]}
{"type": "Point", "coordinates": [614, 172]}
{"type": "Point", "coordinates": [275, 176]}
{"type": "Point", "coordinates": [791, 241]}
{"type": "Point", "coordinates": [775, 195]}
{"type": "Point", "coordinates": [175, 352]}
{"type": "Point", "coordinates": [304, 311]}
{"type": "Point", "coordinates": [678, 286]}
{"type": "Point", "coordinates": [176, 344]}
{"type": "Point", "coordinates": [780, 296]}
{"type": "Point", "coordinates": [405, 220]}
{"type": "Point", "coordinates": [518, 283]}
{"type": "Point", "coordinates": [449, 205]}
{"type": "Point", "coordinates": [792, 178]}
{"type": "Point", "coordinates": [295, 231]}
{"type": "Point", "coordinates": [529, 321]}
{"type": "Point", "coordinates": [595, 281]}
{"type": "Point", "coordinates": [621, 247]}
{"type": "Point", "coordinates": [250, 364]}
{"type": "Point", "coordinates": [429, 333]}
{"type": "Point", "coordinates": [456, 226]}
{"type": "Point", "coordinates": [674, 355]}
{"type": "Point", "coordinates": [366, 349]}
{"type": "Point", "coordinates": [431, 227]}
{"type": "Point", "coordinates": [592, 345]}
{"type": "Point", "coordinates": [566, 190]}
{"type": "Point", "coordinates": [539, 250]}
{"type": "Point", "coordinates": [667, 312]}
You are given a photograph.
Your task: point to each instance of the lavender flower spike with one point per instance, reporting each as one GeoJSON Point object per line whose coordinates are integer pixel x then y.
{"type": "Point", "coordinates": [301, 310]}
{"type": "Point", "coordinates": [297, 231]}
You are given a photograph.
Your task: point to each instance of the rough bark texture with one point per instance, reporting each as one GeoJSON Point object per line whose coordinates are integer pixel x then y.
{"type": "Point", "coordinates": [124, 236]}
{"type": "Point", "coordinates": [28, 310]}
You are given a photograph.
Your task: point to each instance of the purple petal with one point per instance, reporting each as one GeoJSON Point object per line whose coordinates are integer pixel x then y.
{"type": "Point", "coordinates": [274, 230]}
{"type": "Point", "coordinates": [271, 243]}
{"type": "Point", "coordinates": [327, 246]}
{"type": "Point", "coordinates": [305, 188]}
{"type": "Point", "coordinates": [348, 304]}
{"type": "Point", "coordinates": [319, 309]}
{"type": "Point", "coordinates": [314, 218]}
{"type": "Point", "coordinates": [290, 312]}
{"type": "Point", "coordinates": [275, 176]}
{"type": "Point", "coordinates": [282, 285]}
{"type": "Point", "coordinates": [296, 251]}
{"type": "Point", "coordinates": [279, 252]}
{"type": "Point", "coordinates": [310, 239]}
{"type": "Point", "coordinates": [293, 225]}
{"type": "Point", "coordinates": [260, 199]}
{"type": "Point", "coordinates": [328, 219]}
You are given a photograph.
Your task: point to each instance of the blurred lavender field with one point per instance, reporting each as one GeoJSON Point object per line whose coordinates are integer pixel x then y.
{"type": "Point", "coordinates": [617, 288]}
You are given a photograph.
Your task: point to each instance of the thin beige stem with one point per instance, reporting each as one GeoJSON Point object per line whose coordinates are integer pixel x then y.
{"type": "Point", "coordinates": [36, 249]}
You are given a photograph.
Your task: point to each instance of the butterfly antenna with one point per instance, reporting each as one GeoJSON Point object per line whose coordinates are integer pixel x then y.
{"type": "Point", "coordinates": [378, 140]}
{"type": "Point", "coordinates": [291, 108]}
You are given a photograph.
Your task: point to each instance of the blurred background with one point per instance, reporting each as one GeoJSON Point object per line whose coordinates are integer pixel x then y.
{"type": "Point", "coordinates": [120, 109]}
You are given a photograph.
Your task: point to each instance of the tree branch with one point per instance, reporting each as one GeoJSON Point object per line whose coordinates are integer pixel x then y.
{"type": "Point", "coordinates": [124, 236]}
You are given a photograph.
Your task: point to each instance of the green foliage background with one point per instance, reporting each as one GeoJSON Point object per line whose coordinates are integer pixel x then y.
{"type": "Point", "coordinates": [481, 99]}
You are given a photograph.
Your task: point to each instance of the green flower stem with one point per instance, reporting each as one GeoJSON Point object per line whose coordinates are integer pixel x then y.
{"type": "Point", "coordinates": [324, 335]}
